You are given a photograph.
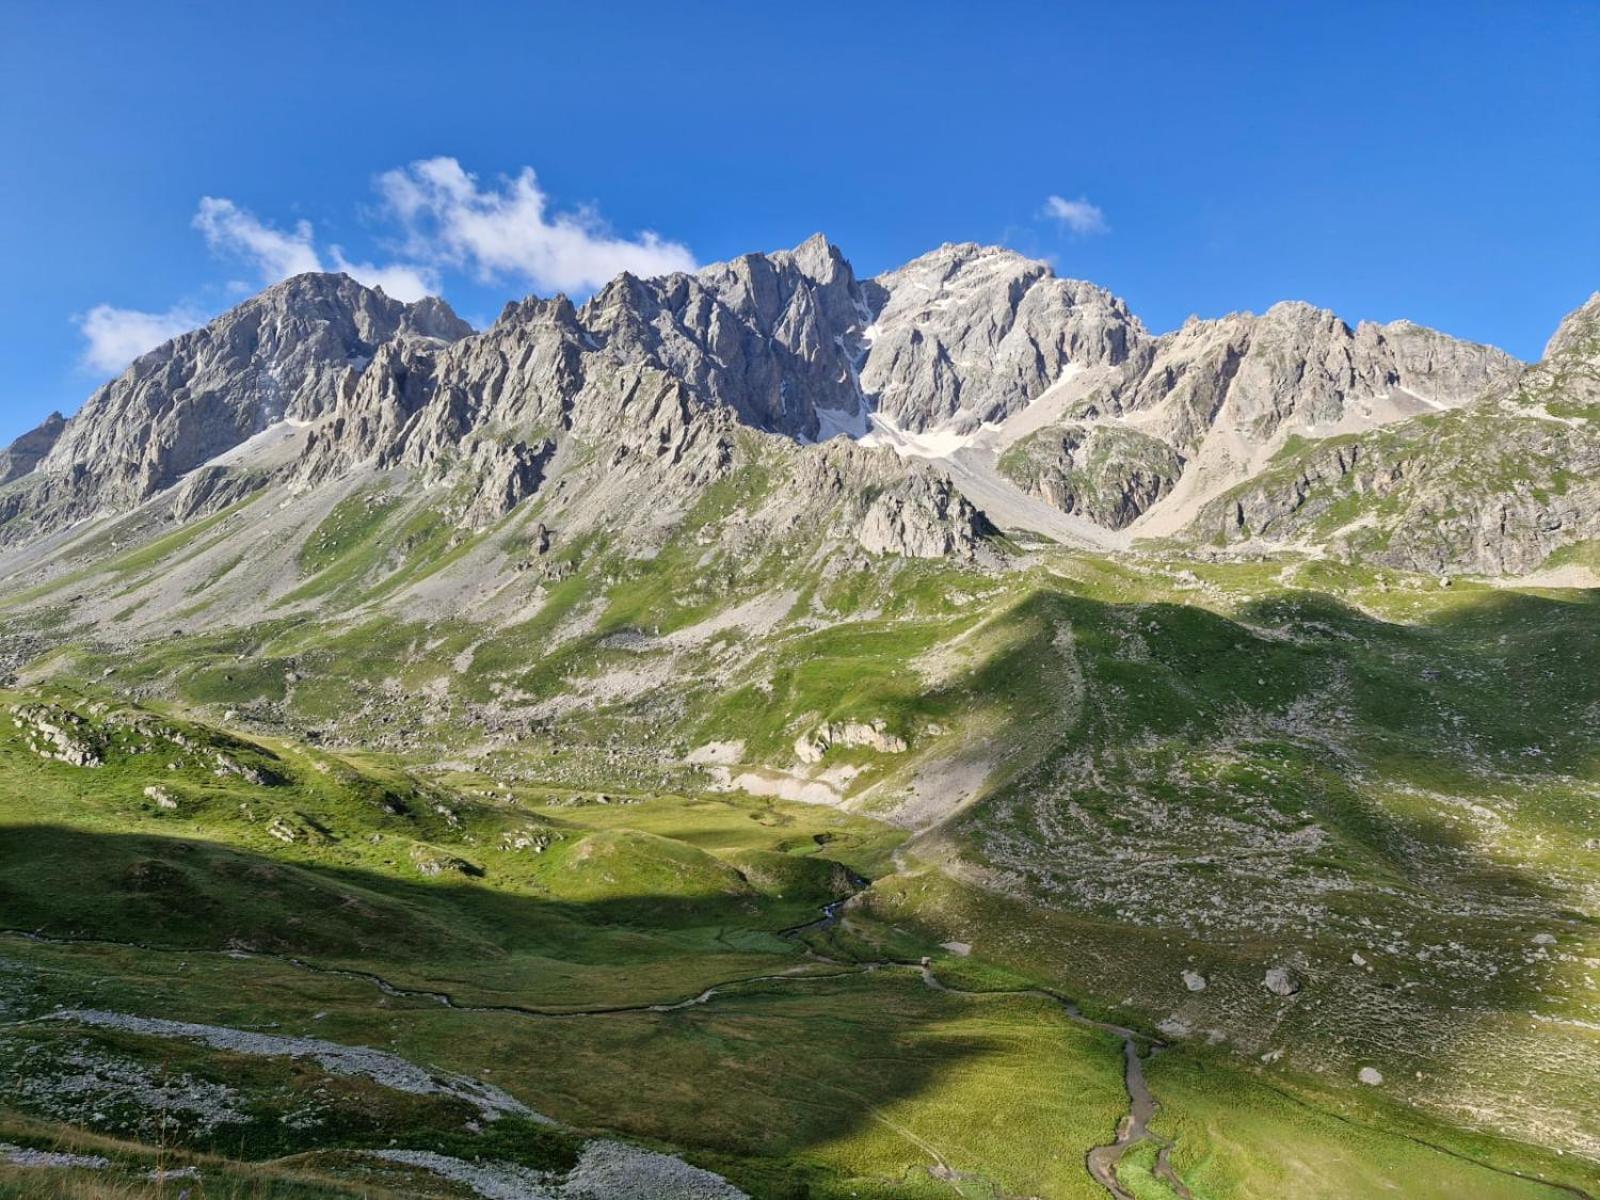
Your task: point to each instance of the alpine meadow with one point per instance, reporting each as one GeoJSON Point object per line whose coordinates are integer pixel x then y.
{"type": "Point", "coordinates": [781, 731]}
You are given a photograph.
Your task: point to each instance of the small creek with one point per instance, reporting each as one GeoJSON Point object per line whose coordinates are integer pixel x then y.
{"type": "Point", "coordinates": [1101, 1161]}
{"type": "Point", "coordinates": [1134, 1128]}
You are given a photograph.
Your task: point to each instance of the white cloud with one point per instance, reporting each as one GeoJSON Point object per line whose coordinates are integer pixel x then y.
{"type": "Point", "coordinates": [229, 229]}
{"type": "Point", "coordinates": [448, 221]}
{"type": "Point", "coordinates": [277, 254]}
{"type": "Point", "coordinates": [117, 336]}
{"type": "Point", "coordinates": [398, 280]}
{"type": "Point", "coordinates": [509, 231]}
{"type": "Point", "coordinates": [1077, 215]}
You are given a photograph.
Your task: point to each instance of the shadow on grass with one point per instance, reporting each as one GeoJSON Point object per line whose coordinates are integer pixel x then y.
{"type": "Point", "coordinates": [772, 1069]}
{"type": "Point", "coordinates": [1191, 791]}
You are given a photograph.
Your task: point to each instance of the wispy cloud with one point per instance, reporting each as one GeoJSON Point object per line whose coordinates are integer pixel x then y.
{"type": "Point", "coordinates": [231, 230]}
{"type": "Point", "coordinates": [509, 230]}
{"type": "Point", "coordinates": [277, 254]}
{"type": "Point", "coordinates": [1081, 217]}
{"type": "Point", "coordinates": [445, 220]}
{"type": "Point", "coordinates": [403, 281]}
{"type": "Point", "coordinates": [117, 336]}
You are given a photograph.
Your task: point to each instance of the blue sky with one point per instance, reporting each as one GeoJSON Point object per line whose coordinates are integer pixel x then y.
{"type": "Point", "coordinates": [1434, 161]}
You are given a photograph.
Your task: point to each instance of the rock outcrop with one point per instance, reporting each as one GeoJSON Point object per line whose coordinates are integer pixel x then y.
{"type": "Point", "coordinates": [1494, 488]}
{"type": "Point", "coordinates": [871, 735]}
{"type": "Point", "coordinates": [1109, 473]}
{"type": "Point", "coordinates": [24, 454]}
{"type": "Point", "coordinates": [289, 353]}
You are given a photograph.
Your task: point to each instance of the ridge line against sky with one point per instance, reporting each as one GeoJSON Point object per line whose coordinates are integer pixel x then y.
{"type": "Point", "coordinates": [502, 234]}
{"type": "Point", "coordinates": [1433, 169]}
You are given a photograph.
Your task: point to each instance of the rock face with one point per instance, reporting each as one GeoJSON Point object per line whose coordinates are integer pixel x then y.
{"type": "Point", "coordinates": [1300, 368]}
{"type": "Point", "coordinates": [289, 353]}
{"type": "Point", "coordinates": [1577, 333]}
{"type": "Point", "coordinates": [626, 409]}
{"type": "Point", "coordinates": [1108, 473]}
{"type": "Point", "coordinates": [922, 517]}
{"type": "Point", "coordinates": [872, 735]}
{"type": "Point", "coordinates": [972, 334]}
{"type": "Point", "coordinates": [773, 337]}
{"type": "Point", "coordinates": [653, 383]}
{"type": "Point", "coordinates": [1493, 488]}
{"type": "Point", "coordinates": [24, 454]}
{"type": "Point", "coordinates": [971, 338]}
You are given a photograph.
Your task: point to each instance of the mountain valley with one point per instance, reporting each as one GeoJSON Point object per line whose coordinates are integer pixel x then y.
{"type": "Point", "coordinates": [767, 732]}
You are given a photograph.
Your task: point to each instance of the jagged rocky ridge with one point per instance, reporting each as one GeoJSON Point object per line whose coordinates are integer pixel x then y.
{"type": "Point", "coordinates": [286, 354]}
{"type": "Point", "coordinates": [625, 409]}
{"type": "Point", "coordinates": [1496, 487]}
{"type": "Point", "coordinates": [24, 454]}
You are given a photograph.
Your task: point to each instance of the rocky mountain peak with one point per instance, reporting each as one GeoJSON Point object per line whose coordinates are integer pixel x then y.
{"type": "Point", "coordinates": [820, 259]}
{"type": "Point", "coordinates": [1579, 331]}
{"type": "Point", "coordinates": [1302, 314]}
{"type": "Point", "coordinates": [289, 352]}
{"type": "Point", "coordinates": [772, 337]}
{"type": "Point", "coordinates": [431, 317]}
{"type": "Point", "coordinates": [656, 375]}
{"type": "Point", "coordinates": [535, 310]}
{"type": "Point", "coordinates": [971, 334]}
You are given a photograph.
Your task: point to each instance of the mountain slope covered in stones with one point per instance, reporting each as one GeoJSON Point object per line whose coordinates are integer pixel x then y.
{"type": "Point", "coordinates": [1503, 486]}
{"type": "Point", "coordinates": [1050, 387]}
{"type": "Point", "coordinates": [774, 733]}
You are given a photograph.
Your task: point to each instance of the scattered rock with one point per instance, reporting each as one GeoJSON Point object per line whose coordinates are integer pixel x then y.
{"type": "Point", "coordinates": [1194, 981]}
{"type": "Point", "coordinates": [1370, 1076]}
{"type": "Point", "coordinates": [384, 1069]}
{"type": "Point", "coordinates": [16, 1156]}
{"type": "Point", "coordinates": [1281, 981]}
{"type": "Point", "coordinates": [162, 797]}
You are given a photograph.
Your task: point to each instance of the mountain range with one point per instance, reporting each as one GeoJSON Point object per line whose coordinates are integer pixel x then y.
{"type": "Point", "coordinates": [765, 732]}
{"type": "Point", "coordinates": [1046, 402]}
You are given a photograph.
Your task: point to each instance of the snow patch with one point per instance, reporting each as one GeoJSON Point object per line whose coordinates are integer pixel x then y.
{"type": "Point", "coordinates": [836, 422]}
{"type": "Point", "coordinates": [935, 443]}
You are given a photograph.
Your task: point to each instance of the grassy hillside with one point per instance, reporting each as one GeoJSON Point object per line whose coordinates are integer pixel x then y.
{"type": "Point", "coordinates": [526, 809]}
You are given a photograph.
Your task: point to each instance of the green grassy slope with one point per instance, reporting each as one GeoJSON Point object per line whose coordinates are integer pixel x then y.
{"type": "Point", "coordinates": [1117, 770]}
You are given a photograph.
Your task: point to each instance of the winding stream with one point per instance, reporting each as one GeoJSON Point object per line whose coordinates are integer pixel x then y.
{"type": "Point", "coordinates": [1101, 1162]}
{"type": "Point", "coordinates": [1131, 1130]}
